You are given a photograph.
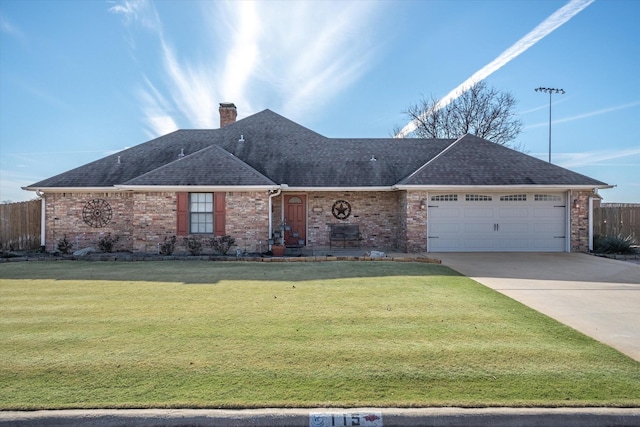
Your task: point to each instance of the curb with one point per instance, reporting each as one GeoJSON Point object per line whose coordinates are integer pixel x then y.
{"type": "Point", "coordinates": [389, 417]}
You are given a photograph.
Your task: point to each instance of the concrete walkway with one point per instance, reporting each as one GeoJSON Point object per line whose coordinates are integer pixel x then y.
{"type": "Point", "coordinates": [599, 297]}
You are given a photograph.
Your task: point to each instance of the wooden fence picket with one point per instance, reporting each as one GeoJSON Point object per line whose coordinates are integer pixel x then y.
{"type": "Point", "coordinates": [20, 225]}
{"type": "Point", "coordinates": [617, 219]}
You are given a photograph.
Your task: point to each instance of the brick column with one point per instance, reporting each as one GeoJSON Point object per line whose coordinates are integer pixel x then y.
{"type": "Point", "coordinates": [579, 206]}
{"type": "Point", "coordinates": [413, 206]}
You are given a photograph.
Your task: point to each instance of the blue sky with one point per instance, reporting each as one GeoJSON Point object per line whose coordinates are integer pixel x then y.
{"type": "Point", "coordinates": [82, 79]}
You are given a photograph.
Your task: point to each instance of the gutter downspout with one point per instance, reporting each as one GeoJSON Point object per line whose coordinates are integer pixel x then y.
{"type": "Point", "coordinates": [43, 221]}
{"type": "Point", "coordinates": [590, 228]}
{"type": "Point", "coordinates": [568, 218]}
{"type": "Point", "coordinates": [272, 194]}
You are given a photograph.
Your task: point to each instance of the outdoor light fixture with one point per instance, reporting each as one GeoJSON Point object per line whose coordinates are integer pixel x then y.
{"type": "Point", "coordinates": [423, 204]}
{"type": "Point", "coordinates": [550, 91]}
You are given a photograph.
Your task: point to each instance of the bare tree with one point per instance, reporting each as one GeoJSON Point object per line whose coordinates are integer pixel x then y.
{"type": "Point", "coordinates": [481, 111]}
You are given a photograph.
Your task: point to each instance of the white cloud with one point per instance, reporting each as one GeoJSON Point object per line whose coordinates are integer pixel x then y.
{"type": "Point", "coordinates": [11, 184]}
{"type": "Point", "coordinates": [598, 112]}
{"type": "Point", "coordinates": [140, 11]}
{"type": "Point", "coordinates": [42, 95]}
{"type": "Point", "coordinates": [160, 125]}
{"type": "Point", "coordinates": [298, 54]}
{"type": "Point", "coordinates": [557, 19]}
{"type": "Point", "coordinates": [619, 158]}
{"type": "Point", "coordinates": [8, 28]}
{"type": "Point", "coordinates": [587, 115]}
{"type": "Point", "coordinates": [190, 87]}
{"type": "Point", "coordinates": [243, 52]}
{"type": "Point", "coordinates": [328, 50]}
{"type": "Point", "coordinates": [136, 13]}
{"type": "Point", "coordinates": [155, 107]}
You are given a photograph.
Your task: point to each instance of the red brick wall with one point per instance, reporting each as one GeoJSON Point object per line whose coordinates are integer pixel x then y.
{"type": "Point", "coordinates": [388, 220]}
{"type": "Point", "coordinates": [579, 205]}
{"type": "Point", "coordinates": [374, 212]}
{"type": "Point", "coordinates": [248, 219]}
{"type": "Point", "coordinates": [414, 210]}
{"type": "Point", "coordinates": [143, 220]}
{"type": "Point", "coordinates": [153, 218]}
{"type": "Point", "coordinates": [63, 213]}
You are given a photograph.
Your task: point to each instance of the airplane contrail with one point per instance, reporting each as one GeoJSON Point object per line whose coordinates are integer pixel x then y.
{"type": "Point", "coordinates": [557, 19]}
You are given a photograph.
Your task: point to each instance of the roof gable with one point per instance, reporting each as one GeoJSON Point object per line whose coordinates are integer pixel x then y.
{"type": "Point", "coordinates": [209, 166]}
{"type": "Point", "coordinates": [127, 164]}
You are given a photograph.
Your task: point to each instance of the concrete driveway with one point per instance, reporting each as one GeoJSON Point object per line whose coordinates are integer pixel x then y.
{"type": "Point", "coordinates": [599, 297]}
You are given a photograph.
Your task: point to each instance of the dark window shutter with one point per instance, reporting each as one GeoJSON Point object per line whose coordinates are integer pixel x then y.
{"type": "Point", "coordinates": [182, 227]}
{"type": "Point", "coordinates": [219, 209]}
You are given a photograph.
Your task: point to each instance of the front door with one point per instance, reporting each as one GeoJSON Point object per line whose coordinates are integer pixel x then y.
{"type": "Point", "coordinates": [295, 215]}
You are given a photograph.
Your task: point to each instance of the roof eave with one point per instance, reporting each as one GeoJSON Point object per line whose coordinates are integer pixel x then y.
{"type": "Point", "coordinates": [334, 189]}
{"type": "Point", "coordinates": [503, 187]}
{"type": "Point", "coordinates": [197, 188]}
{"type": "Point", "coordinates": [71, 189]}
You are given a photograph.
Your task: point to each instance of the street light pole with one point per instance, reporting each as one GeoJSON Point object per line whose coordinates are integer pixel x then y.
{"type": "Point", "coordinates": [549, 91]}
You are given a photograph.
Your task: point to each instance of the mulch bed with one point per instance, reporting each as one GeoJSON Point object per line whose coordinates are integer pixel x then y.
{"type": "Point", "coordinates": [128, 256]}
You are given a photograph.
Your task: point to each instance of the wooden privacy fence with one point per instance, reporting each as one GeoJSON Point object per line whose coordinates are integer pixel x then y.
{"type": "Point", "coordinates": [615, 219]}
{"type": "Point", "coordinates": [20, 225]}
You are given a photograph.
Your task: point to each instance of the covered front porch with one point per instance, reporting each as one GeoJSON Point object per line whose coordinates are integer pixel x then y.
{"type": "Point", "coordinates": [383, 220]}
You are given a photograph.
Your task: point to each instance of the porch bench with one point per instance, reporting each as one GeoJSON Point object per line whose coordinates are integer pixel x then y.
{"type": "Point", "coordinates": [344, 233]}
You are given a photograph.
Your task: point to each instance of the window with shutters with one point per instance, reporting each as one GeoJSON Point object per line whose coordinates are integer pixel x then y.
{"type": "Point", "coordinates": [200, 213]}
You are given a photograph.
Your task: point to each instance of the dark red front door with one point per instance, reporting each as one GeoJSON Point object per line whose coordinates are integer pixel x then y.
{"type": "Point", "coordinates": [295, 215]}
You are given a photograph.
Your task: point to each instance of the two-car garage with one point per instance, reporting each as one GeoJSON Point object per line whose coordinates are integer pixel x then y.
{"type": "Point", "coordinates": [497, 222]}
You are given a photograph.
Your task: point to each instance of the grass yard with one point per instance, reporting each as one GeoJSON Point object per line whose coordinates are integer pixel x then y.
{"type": "Point", "coordinates": [240, 335]}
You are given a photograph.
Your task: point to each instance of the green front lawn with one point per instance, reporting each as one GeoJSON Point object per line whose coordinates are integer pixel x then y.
{"type": "Point", "coordinates": [236, 335]}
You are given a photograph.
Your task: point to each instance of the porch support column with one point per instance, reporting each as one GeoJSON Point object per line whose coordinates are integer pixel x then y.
{"type": "Point", "coordinates": [272, 194]}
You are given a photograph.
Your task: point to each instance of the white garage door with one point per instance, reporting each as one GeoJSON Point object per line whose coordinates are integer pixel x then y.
{"type": "Point", "coordinates": [485, 222]}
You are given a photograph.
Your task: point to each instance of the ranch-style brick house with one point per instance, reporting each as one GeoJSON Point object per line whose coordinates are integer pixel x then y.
{"type": "Point", "coordinates": [250, 176]}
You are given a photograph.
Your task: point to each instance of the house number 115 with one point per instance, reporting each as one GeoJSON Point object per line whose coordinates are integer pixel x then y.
{"type": "Point", "coordinates": [373, 419]}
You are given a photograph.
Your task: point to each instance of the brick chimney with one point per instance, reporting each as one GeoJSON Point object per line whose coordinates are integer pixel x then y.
{"type": "Point", "coordinates": [228, 113]}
